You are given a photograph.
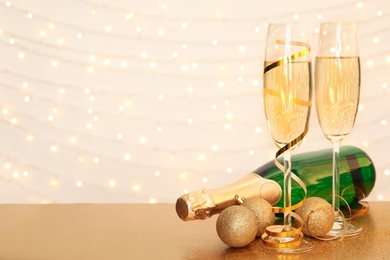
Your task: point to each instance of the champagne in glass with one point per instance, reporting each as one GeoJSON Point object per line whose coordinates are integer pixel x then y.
{"type": "Point", "coordinates": [287, 104]}
{"type": "Point", "coordinates": [337, 90]}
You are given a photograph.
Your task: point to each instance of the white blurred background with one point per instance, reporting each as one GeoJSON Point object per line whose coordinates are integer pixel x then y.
{"type": "Point", "coordinates": [142, 101]}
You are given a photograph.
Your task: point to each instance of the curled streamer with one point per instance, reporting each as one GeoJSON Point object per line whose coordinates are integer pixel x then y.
{"type": "Point", "coordinates": [360, 200]}
{"type": "Point", "coordinates": [278, 230]}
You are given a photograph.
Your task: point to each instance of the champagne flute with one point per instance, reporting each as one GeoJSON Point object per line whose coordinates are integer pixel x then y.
{"type": "Point", "coordinates": [337, 90]}
{"type": "Point", "coordinates": [287, 105]}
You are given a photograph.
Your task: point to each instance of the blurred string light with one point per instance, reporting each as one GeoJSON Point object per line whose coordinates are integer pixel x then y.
{"type": "Point", "coordinates": [55, 180]}
{"type": "Point", "coordinates": [62, 88]}
{"type": "Point", "coordinates": [211, 16]}
{"type": "Point", "coordinates": [161, 32]}
{"type": "Point", "coordinates": [201, 156]}
{"type": "Point", "coordinates": [187, 65]}
{"type": "Point", "coordinates": [144, 55]}
{"type": "Point", "coordinates": [56, 50]}
{"type": "Point", "coordinates": [129, 143]}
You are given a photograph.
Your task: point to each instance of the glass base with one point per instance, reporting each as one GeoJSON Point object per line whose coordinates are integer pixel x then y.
{"type": "Point", "coordinates": [338, 228]}
{"type": "Point", "coordinates": [290, 244]}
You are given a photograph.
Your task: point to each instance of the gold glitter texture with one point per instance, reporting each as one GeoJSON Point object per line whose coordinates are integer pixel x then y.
{"type": "Point", "coordinates": [318, 217]}
{"type": "Point", "coordinates": [237, 226]}
{"type": "Point", "coordinates": [263, 212]}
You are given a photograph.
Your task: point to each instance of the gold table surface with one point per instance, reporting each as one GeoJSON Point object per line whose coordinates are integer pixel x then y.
{"type": "Point", "coordinates": [153, 231]}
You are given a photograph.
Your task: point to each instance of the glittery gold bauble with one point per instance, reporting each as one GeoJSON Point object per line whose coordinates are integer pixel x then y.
{"type": "Point", "coordinates": [263, 212]}
{"type": "Point", "coordinates": [237, 226]}
{"type": "Point", "coordinates": [321, 218]}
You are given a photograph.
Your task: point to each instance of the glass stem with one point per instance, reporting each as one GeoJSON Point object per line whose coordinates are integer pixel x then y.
{"type": "Point", "coordinates": [287, 189]}
{"type": "Point", "coordinates": [336, 176]}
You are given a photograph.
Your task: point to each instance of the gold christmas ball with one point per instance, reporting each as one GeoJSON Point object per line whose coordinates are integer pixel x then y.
{"type": "Point", "coordinates": [263, 212]}
{"type": "Point", "coordinates": [317, 215]}
{"type": "Point", "coordinates": [237, 226]}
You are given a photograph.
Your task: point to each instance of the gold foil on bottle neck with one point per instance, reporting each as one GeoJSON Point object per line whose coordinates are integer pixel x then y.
{"type": "Point", "coordinates": [195, 205]}
{"type": "Point", "coordinates": [203, 204]}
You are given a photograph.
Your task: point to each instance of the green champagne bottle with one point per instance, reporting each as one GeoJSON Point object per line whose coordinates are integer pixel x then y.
{"type": "Point", "coordinates": [357, 175]}
{"type": "Point", "coordinates": [357, 179]}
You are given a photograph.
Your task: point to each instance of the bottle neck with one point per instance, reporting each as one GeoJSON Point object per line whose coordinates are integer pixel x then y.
{"type": "Point", "coordinates": [251, 185]}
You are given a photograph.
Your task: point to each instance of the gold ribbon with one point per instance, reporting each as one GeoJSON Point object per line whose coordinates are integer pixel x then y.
{"type": "Point", "coordinates": [362, 202]}
{"type": "Point", "coordinates": [360, 212]}
{"type": "Point", "coordinates": [290, 58]}
{"type": "Point", "coordinates": [295, 100]}
{"type": "Point", "coordinates": [278, 230]}
{"type": "Point", "coordinates": [296, 241]}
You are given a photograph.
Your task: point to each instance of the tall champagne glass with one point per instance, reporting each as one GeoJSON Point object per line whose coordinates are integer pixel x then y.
{"type": "Point", "coordinates": [337, 90]}
{"type": "Point", "coordinates": [287, 103]}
